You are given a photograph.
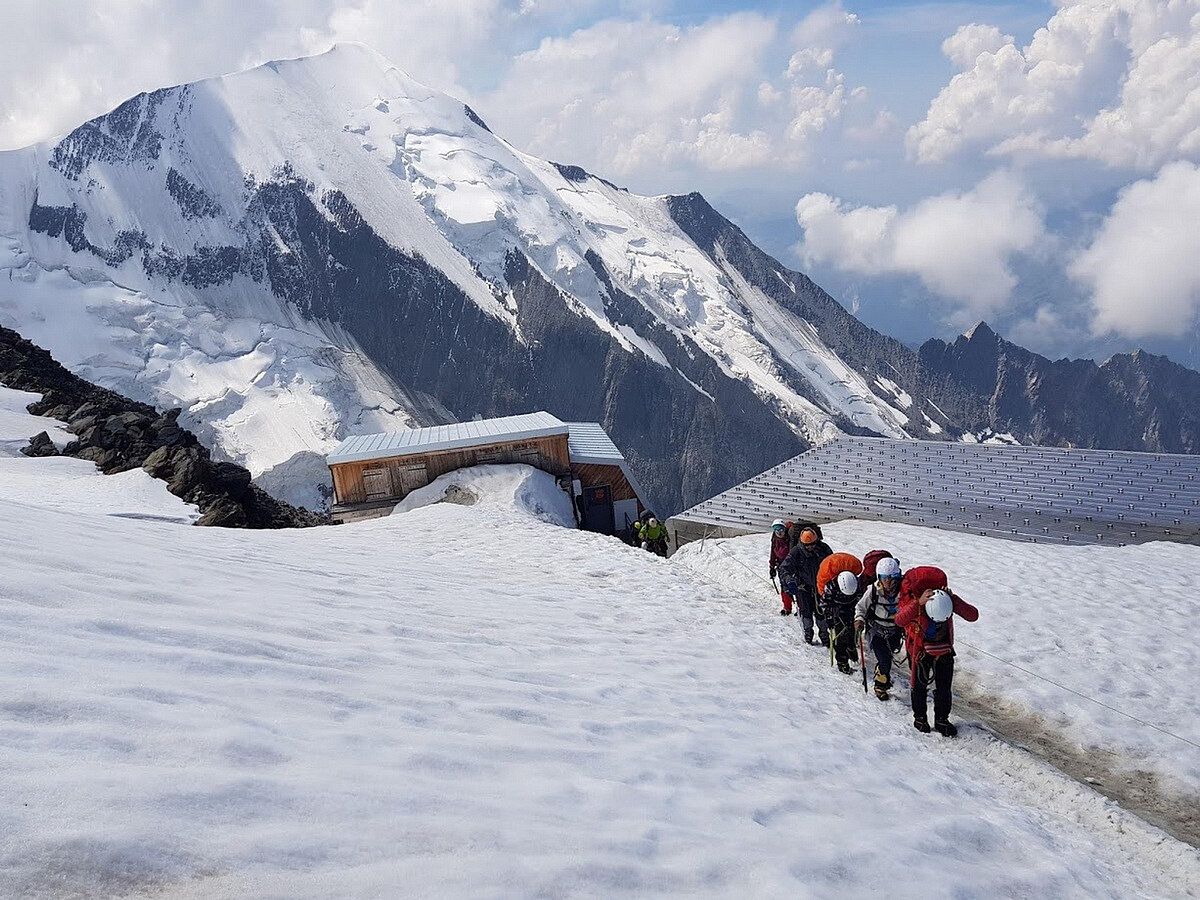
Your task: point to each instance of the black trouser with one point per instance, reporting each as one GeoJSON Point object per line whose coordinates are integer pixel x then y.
{"type": "Point", "coordinates": [885, 644]}
{"type": "Point", "coordinates": [938, 671]}
{"type": "Point", "coordinates": [844, 648]}
{"type": "Point", "coordinates": [808, 611]}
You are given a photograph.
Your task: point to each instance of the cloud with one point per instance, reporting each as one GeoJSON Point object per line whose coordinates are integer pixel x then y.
{"type": "Point", "coordinates": [731, 93]}
{"type": "Point", "coordinates": [62, 61]}
{"type": "Point", "coordinates": [959, 245]}
{"type": "Point", "coordinates": [626, 95]}
{"type": "Point", "coordinates": [1141, 266]}
{"type": "Point", "coordinates": [1109, 81]}
{"type": "Point", "coordinates": [965, 46]}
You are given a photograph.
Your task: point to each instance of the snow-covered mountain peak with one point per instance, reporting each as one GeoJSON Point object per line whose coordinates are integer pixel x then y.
{"type": "Point", "coordinates": [296, 250]}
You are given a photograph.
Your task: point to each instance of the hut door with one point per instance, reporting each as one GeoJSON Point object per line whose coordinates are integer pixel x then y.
{"type": "Point", "coordinates": [598, 509]}
{"type": "Point", "coordinates": [377, 483]}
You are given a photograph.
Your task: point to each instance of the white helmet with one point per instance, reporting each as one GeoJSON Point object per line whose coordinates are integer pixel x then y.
{"type": "Point", "coordinates": [889, 567]}
{"type": "Point", "coordinates": [653, 523]}
{"type": "Point", "coordinates": [779, 523]}
{"type": "Point", "coordinates": [939, 606]}
{"type": "Point", "coordinates": [847, 583]}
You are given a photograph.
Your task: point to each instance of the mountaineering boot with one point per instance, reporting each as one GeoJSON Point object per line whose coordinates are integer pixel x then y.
{"type": "Point", "coordinates": [945, 729]}
{"type": "Point", "coordinates": [882, 685]}
{"type": "Point", "coordinates": [921, 724]}
{"type": "Point", "coordinates": [808, 638]}
{"type": "Point", "coordinates": [844, 668]}
{"type": "Point", "coordinates": [785, 612]}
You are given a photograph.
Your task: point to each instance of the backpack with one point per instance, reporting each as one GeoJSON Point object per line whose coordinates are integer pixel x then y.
{"type": "Point", "coordinates": [834, 565]}
{"type": "Point", "coordinates": [871, 560]}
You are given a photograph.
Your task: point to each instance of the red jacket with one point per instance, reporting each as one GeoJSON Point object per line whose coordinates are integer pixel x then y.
{"type": "Point", "coordinates": [779, 550]}
{"type": "Point", "coordinates": [910, 615]}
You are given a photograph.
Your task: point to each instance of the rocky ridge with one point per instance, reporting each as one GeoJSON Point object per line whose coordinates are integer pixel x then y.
{"type": "Point", "coordinates": [119, 434]}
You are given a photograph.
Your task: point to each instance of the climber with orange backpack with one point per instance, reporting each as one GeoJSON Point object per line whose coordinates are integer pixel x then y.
{"type": "Point", "coordinates": [838, 590]}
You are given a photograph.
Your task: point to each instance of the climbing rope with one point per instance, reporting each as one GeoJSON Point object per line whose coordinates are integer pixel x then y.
{"type": "Point", "coordinates": [1082, 696]}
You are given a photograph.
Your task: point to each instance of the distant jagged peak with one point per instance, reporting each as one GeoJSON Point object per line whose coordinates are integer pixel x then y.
{"type": "Point", "coordinates": [981, 331]}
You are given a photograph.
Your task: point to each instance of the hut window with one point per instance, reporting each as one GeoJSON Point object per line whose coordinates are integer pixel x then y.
{"type": "Point", "coordinates": [377, 483]}
{"type": "Point", "coordinates": [413, 477]}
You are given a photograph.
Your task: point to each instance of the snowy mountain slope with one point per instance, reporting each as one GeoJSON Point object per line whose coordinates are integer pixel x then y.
{"type": "Point", "coordinates": [383, 707]}
{"type": "Point", "coordinates": [321, 246]}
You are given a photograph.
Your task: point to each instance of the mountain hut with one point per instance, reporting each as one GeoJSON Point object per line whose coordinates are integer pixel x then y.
{"type": "Point", "coordinates": [373, 472]}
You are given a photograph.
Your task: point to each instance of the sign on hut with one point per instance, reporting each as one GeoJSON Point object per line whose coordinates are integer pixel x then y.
{"type": "Point", "coordinates": [373, 472]}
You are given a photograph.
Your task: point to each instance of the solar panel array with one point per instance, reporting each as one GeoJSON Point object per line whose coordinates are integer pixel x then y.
{"type": "Point", "coordinates": [1040, 494]}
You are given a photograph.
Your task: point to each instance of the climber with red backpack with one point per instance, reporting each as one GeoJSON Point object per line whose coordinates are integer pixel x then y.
{"type": "Point", "coordinates": [875, 615]}
{"type": "Point", "coordinates": [926, 611]}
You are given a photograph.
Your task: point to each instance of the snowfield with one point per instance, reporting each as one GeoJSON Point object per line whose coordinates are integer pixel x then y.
{"type": "Point", "coordinates": [466, 700]}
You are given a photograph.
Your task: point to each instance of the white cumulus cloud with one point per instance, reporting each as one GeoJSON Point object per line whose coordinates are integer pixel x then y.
{"type": "Point", "coordinates": [1142, 267]}
{"type": "Point", "coordinates": [960, 245]}
{"type": "Point", "coordinates": [1116, 81]}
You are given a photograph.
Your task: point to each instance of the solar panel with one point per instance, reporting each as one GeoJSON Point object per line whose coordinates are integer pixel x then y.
{"type": "Point", "coordinates": [1020, 493]}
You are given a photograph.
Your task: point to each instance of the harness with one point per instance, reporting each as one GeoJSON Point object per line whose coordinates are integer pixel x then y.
{"type": "Point", "coordinates": [881, 612]}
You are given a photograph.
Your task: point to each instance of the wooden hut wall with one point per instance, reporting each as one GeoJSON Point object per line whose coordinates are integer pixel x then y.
{"type": "Point", "coordinates": [590, 475]}
{"type": "Point", "coordinates": [395, 477]}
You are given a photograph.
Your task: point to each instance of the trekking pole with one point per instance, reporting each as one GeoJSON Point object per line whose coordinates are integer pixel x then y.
{"type": "Point", "coordinates": [832, 640]}
{"type": "Point", "coordinates": [862, 658]}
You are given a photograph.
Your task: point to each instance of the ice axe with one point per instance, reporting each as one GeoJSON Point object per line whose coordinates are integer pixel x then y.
{"type": "Point", "coordinates": [862, 659]}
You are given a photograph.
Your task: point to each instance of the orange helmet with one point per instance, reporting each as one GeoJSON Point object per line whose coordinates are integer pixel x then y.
{"type": "Point", "coordinates": [808, 536]}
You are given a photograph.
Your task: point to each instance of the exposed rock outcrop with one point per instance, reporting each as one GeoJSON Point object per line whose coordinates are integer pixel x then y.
{"type": "Point", "coordinates": [119, 434]}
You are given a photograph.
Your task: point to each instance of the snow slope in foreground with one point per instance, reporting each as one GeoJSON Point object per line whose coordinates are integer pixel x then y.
{"type": "Point", "coordinates": [468, 701]}
{"type": "Point", "coordinates": [1116, 624]}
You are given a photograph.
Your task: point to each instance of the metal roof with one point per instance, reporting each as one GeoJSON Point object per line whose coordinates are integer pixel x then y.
{"type": "Point", "coordinates": [1041, 494]}
{"type": "Point", "coordinates": [590, 444]}
{"type": "Point", "coordinates": [408, 441]}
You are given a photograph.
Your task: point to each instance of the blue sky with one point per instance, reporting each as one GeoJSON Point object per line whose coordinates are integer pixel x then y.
{"type": "Point", "coordinates": [930, 164]}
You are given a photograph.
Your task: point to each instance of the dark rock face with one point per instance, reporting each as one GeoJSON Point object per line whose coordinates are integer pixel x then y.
{"type": "Point", "coordinates": [193, 202]}
{"type": "Point", "coordinates": [126, 134]}
{"type": "Point", "coordinates": [868, 351]}
{"type": "Point", "coordinates": [119, 434]}
{"type": "Point", "coordinates": [474, 117]}
{"type": "Point", "coordinates": [1133, 401]}
{"type": "Point", "coordinates": [69, 222]}
{"type": "Point", "coordinates": [982, 383]}
{"type": "Point", "coordinates": [421, 329]}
